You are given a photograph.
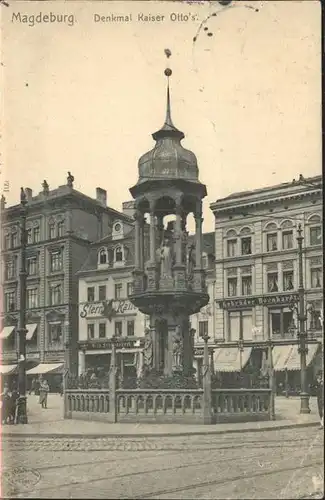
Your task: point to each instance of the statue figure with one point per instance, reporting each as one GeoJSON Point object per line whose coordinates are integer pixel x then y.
{"type": "Point", "coordinates": [22, 195]}
{"type": "Point", "coordinates": [3, 202]}
{"type": "Point", "coordinates": [177, 348]}
{"type": "Point", "coordinates": [46, 187]}
{"type": "Point", "coordinates": [70, 180]}
{"type": "Point", "coordinates": [166, 259]}
{"type": "Point", "coordinates": [148, 349]}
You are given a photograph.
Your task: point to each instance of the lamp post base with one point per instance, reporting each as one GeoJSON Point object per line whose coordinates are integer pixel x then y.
{"type": "Point", "coordinates": [21, 417]}
{"type": "Point", "coordinates": [304, 403]}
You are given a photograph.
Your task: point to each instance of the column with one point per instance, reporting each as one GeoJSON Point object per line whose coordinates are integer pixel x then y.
{"type": "Point", "coordinates": [141, 241]}
{"type": "Point", "coordinates": [81, 362]}
{"type": "Point", "coordinates": [137, 251]}
{"type": "Point", "coordinates": [198, 234]}
{"type": "Point", "coordinates": [178, 234]}
{"type": "Point", "coordinates": [160, 227]}
{"type": "Point", "coordinates": [152, 233]}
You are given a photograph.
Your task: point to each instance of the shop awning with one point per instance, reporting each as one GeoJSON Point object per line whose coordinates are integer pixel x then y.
{"type": "Point", "coordinates": [7, 369]}
{"type": "Point", "coordinates": [230, 359]}
{"type": "Point", "coordinates": [31, 329]}
{"type": "Point", "coordinates": [6, 332]}
{"type": "Point", "coordinates": [44, 368]}
{"type": "Point", "coordinates": [287, 357]}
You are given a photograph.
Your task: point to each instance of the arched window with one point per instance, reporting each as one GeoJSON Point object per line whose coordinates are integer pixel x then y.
{"type": "Point", "coordinates": [29, 235]}
{"type": "Point", "coordinates": [271, 237]}
{"type": "Point", "coordinates": [315, 230]}
{"type": "Point", "coordinates": [231, 236]}
{"type": "Point", "coordinates": [102, 256]}
{"type": "Point", "coordinates": [246, 241]}
{"type": "Point", "coordinates": [118, 254]}
{"type": "Point", "coordinates": [287, 234]}
{"type": "Point", "coordinates": [51, 230]}
{"type": "Point", "coordinates": [60, 228]}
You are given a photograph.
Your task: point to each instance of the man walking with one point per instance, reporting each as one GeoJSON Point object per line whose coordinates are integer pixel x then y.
{"type": "Point", "coordinates": [320, 398]}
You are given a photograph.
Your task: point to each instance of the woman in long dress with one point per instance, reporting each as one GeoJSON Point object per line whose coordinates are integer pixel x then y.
{"type": "Point", "coordinates": [165, 260]}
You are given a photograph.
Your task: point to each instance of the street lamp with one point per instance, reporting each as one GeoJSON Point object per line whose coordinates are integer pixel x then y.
{"type": "Point", "coordinates": [22, 401]}
{"type": "Point", "coordinates": [302, 336]}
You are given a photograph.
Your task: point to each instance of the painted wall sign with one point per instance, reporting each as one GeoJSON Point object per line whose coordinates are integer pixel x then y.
{"type": "Point", "coordinates": [107, 309]}
{"type": "Point", "coordinates": [255, 301]}
{"type": "Point", "coordinates": [106, 344]}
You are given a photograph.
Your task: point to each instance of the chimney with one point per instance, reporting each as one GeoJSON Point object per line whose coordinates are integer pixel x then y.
{"type": "Point", "coordinates": [29, 194]}
{"type": "Point", "coordinates": [101, 196]}
{"type": "Point", "coordinates": [128, 208]}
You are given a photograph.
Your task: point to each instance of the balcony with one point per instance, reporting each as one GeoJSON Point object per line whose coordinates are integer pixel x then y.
{"type": "Point", "coordinates": [55, 346]}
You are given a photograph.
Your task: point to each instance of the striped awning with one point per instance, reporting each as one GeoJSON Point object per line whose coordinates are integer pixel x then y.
{"type": "Point", "coordinates": [7, 369]}
{"type": "Point", "coordinates": [287, 357]}
{"type": "Point", "coordinates": [230, 359]}
{"type": "Point", "coordinates": [6, 332]}
{"type": "Point", "coordinates": [45, 368]}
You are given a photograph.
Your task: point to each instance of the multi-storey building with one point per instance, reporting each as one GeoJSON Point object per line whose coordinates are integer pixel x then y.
{"type": "Point", "coordinates": [105, 313]}
{"type": "Point", "coordinates": [61, 223]}
{"type": "Point", "coordinates": [256, 269]}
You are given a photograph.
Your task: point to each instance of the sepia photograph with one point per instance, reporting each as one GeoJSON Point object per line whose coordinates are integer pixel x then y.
{"type": "Point", "coordinates": [162, 288]}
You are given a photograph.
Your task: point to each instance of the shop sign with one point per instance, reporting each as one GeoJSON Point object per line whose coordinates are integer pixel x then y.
{"type": "Point", "coordinates": [107, 308]}
{"type": "Point", "coordinates": [266, 300]}
{"type": "Point", "coordinates": [106, 344]}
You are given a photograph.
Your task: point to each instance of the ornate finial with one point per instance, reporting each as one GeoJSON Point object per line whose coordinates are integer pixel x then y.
{"type": "Point", "coordinates": [70, 180]}
{"type": "Point", "coordinates": [23, 199]}
{"type": "Point", "coordinates": [46, 187]}
{"type": "Point", "coordinates": [3, 202]}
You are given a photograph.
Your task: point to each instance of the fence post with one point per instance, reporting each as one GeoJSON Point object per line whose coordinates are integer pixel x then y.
{"type": "Point", "coordinates": [207, 396]}
{"type": "Point", "coordinates": [112, 384]}
{"type": "Point", "coordinates": [66, 412]}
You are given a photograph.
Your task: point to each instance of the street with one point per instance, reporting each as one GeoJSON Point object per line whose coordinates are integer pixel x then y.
{"type": "Point", "coordinates": [281, 464]}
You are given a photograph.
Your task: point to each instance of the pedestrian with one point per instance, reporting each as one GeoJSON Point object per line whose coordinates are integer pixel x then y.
{"type": "Point", "coordinates": [33, 386]}
{"type": "Point", "coordinates": [320, 397]}
{"type": "Point", "coordinates": [44, 390]}
{"type": "Point", "coordinates": [5, 404]}
{"type": "Point", "coordinates": [13, 405]}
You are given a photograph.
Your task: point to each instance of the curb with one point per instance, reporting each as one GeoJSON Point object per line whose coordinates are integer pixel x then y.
{"type": "Point", "coordinates": [154, 435]}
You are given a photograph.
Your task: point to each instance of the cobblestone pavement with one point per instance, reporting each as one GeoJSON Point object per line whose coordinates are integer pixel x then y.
{"type": "Point", "coordinates": [271, 464]}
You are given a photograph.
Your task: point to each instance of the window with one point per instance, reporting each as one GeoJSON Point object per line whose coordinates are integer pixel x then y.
{"type": "Point", "coordinates": [232, 287]}
{"type": "Point", "coordinates": [55, 294]}
{"type": "Point", "coordinates": [315, 315]}
{"type": "Point", "coordinates": [102, 257]}
{"type": "Point", "coordinates": [32, 266]}
{"type": "Point", "coordinates": [60, 228]}
{"type": "Point", "coordinates": [118, 254]}
{"type": "Point", "coordinates": [315, 235]}
{"type": "Point", "coordinates": [240, 325]}
{"type": "Point", "coordinates": [102, 292]}
{"type": "Point", "coordinates": [102, 330]}
{"type": "Point", "coordinates": [205, 261]}
{"type": "Point", "coordinates": [32, 298]}
{"type": "Point", "coordinates": [51, 230]}
{"type": "Point", "coordinates": [14, 239]}
{"type": "Point", "coordinates": [118, 329]}
{"type": "Point", "coordinates": [287, 240]}
{"type": "Point", "coordinates": [246, 285]}
{"type": "Point", "coordinates": [29, 236]}
{"type": "Point", "coordinates": [7, 242]}
{"type": "Point", "coordinates": [118, 290]}
{"type": "Point", "coordinates": [272, 242]}
{"type": "Point", "coordinates": [129, 288]}
{"type": "Point", "coordinates": [55, 333]}
{"type": "Point", "coordinates": [10, 269]}
{"type": "Point", "coordinates": [246, 245]}
{"type": "Point", "coordinates": [90, 331]}
{"type": "Point", "coordinates": [56, 261]}
{"type": "Point", "coordinates": [281, 322]}
{"type": "Point", "coordinates": [10, 301]}
{"type": "Point", "coordinates": [90, 294]}
{"type": "Point", "coordinates": [130, 328]}
{"type": "Point", "coordinates": [272, 282]}
{"type": "Point", "coordinates": [288, 280]}
{"type": "Point", "coordinates": [316, 277]}
{"type": "Point", "coordinates": [231, 247]}
{"type": "Point", "coordinates": [203, 328]}
{"type": "Point", "coordinates": [36, 232]}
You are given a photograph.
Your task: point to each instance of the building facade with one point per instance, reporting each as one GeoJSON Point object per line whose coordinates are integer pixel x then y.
{"type": "Point", "coordinates": [61, 224]}
{"type": "Point", "coordinates": [256, 266]}
{"type": "Point", "coordinates": [105, 312]}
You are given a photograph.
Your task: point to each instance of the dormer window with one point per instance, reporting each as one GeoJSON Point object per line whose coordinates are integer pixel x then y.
{"type": "Point", "coordinates": [118, 254]}
{"type": "Point", "coordinates": [102, 256]}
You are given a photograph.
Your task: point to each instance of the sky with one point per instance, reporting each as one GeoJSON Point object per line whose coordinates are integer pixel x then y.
{"type": "Point", "coordinates": [86, 98]}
